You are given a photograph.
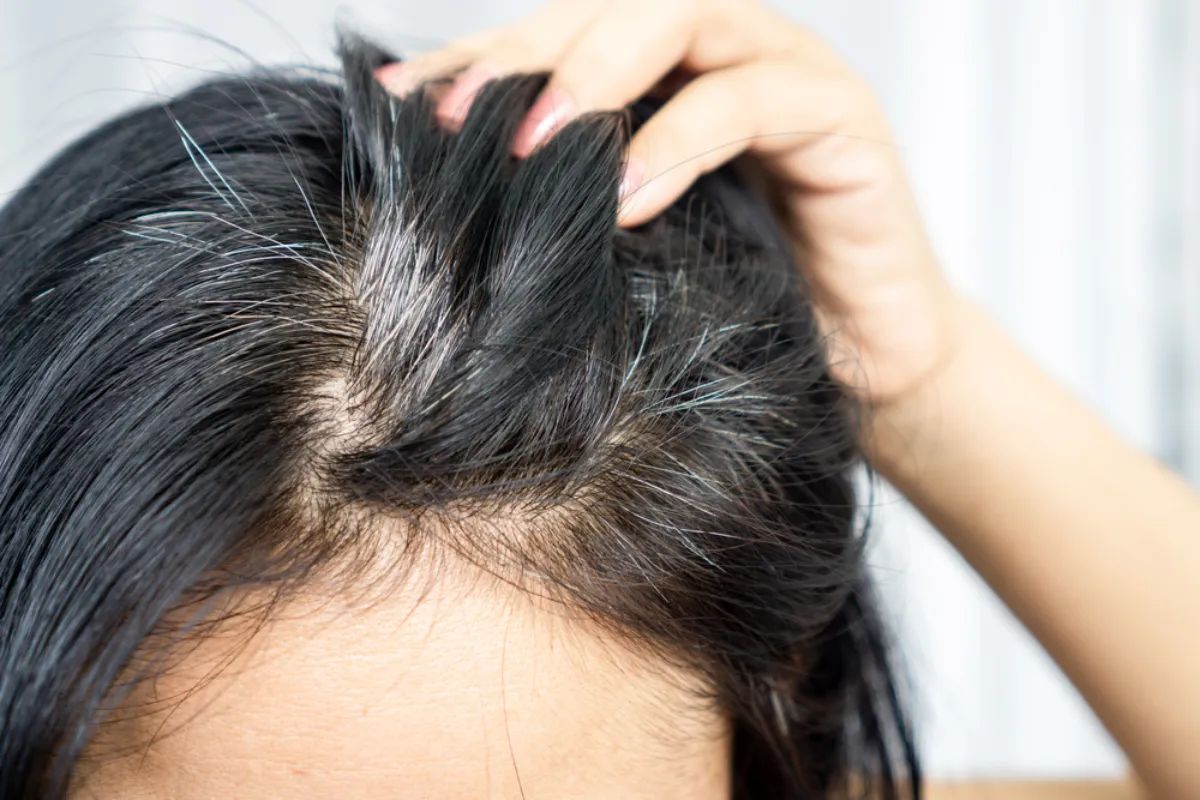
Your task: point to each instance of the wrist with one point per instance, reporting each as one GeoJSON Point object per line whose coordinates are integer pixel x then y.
{"type": "Point", "coordinates": [903, 431]}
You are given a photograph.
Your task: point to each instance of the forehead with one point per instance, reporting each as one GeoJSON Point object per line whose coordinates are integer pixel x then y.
{"type": "Point", "coordinates": [457, 686]}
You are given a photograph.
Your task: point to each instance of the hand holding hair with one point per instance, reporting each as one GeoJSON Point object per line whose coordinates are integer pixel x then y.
{"type": "Point", "coordinates": [1094, 545]}
{"type": "Point", "coordinates": [757, 84]}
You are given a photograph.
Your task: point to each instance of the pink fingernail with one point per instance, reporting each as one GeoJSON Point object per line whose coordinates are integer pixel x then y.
{"type": "Point", "coordinates": [631, 178]}
{"type": "Point", "coordinates": [395, 78]}
{"type": "Point", "coordinates": [549, 113]}
{"type": "Point", "coordinates": [453, 108]}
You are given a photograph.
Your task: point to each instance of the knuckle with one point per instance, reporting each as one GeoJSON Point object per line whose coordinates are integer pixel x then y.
{"type": "Point", "coordinates": [581, 77]}
{"type": "Point", "coordinates": [517, 45]}
{"type": "Point", "coordinates": [523, 49]}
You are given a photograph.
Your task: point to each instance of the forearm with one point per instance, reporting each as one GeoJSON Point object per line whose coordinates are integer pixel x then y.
{"type": "Point", "coordinates": [1094, 546]}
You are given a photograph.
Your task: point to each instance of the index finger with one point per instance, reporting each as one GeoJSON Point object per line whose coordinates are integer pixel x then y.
{"type": "Point", "coordinates": [615, 61]}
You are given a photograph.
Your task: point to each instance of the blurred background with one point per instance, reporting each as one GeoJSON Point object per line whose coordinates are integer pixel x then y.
{"type": "Point", "coordinates": [1055, 148]}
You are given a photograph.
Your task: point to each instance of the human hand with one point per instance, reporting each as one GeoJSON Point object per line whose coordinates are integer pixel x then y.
{"type": "Point", "coordinates": [757, 84]}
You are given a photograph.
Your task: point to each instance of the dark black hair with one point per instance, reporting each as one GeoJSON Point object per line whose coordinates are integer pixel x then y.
{"type": "Point", "coordinates": [240, 325]}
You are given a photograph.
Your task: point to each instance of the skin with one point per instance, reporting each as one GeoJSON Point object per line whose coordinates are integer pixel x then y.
{"type": "Point", "coordinates": [450, 685]}
{"type": "Point", "coordinates": [1092, 544]}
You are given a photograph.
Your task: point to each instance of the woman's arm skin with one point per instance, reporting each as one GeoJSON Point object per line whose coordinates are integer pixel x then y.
{"type": "Point", "coordinates": [1093, 545]}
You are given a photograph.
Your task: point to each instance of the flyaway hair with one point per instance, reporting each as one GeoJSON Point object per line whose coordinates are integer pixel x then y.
{"type": "Point", "coordinates": [242, 327]}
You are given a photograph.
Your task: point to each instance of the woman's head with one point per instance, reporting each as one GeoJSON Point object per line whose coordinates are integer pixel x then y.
{"type": "Point", "coordinates": [284, 338]}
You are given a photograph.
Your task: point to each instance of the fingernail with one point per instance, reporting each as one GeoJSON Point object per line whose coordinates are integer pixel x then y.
{"type": "Point", "coordinates": [395, 78]}
{"type": "Point", "coordinates": [549, 113]}
{"type": "Point", "coordinates": [453, 108]}
{"type": "Point", "coordinates": [632, 179]}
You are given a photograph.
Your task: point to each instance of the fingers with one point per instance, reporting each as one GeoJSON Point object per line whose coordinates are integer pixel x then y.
{"type": "Point", "coordinates": [402, 77]}
{"type": "Point", "coordinates": [600, 54]}
{"type": "Point", "coordinates": [614, 62]}
{"type": "Point", "coordinates": [765, 85]}
{"type": "Point", "coordinates": [611, 63]}
{"type": "Point", "coordinates": [533, 45]}
{"type": "Point", "coordinates": [776, 109]}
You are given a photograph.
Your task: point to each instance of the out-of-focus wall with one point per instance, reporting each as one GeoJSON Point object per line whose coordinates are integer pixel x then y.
{"type": "Point", "coordinates": [1053, 145]}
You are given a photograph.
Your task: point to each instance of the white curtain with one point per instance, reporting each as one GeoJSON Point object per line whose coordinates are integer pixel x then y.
{"type": "Point", "coordinates": [1053, 145]}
